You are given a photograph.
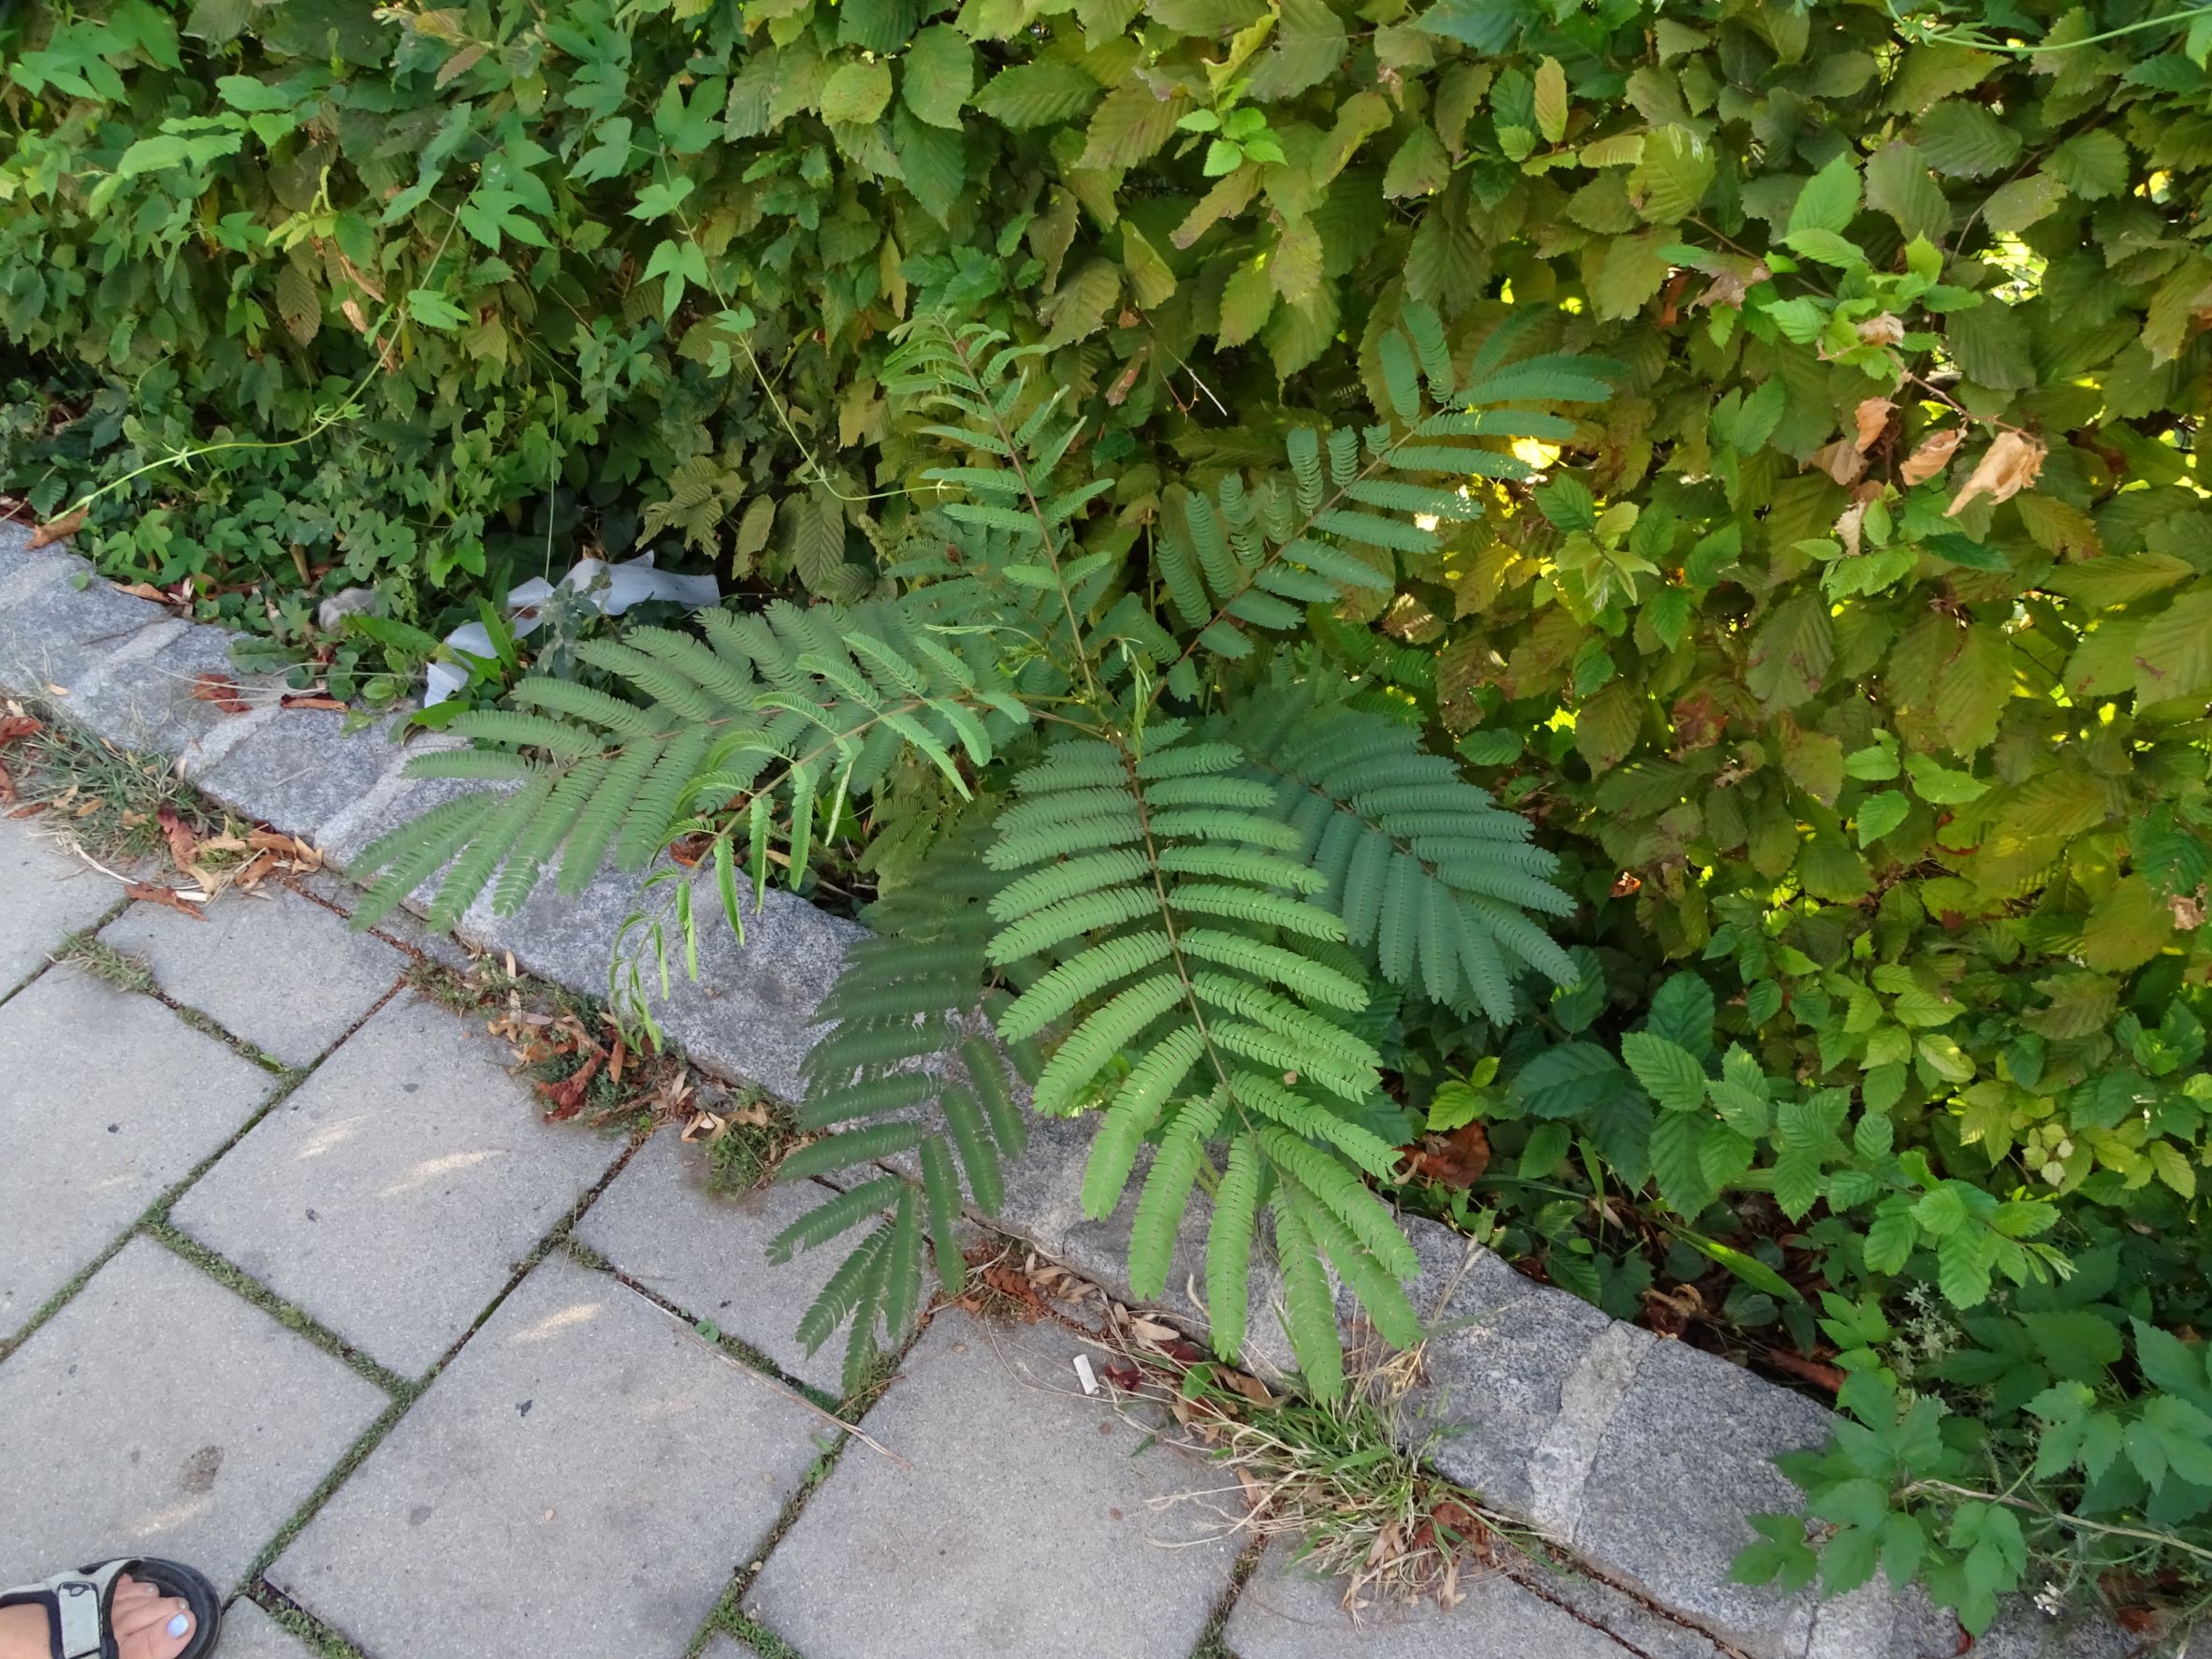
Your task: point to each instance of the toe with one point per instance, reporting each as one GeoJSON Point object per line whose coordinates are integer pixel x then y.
{"type": "Point", "coordinates": [159, 1627]}
{"type": "Point", "coordinates": [130, 1589]}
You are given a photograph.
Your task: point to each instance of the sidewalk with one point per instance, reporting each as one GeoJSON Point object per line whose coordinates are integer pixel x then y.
{"type": "Point", "coordinates": [296, 1284]}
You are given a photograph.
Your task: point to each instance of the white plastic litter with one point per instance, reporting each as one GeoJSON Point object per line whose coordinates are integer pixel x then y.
{"type": "Point", "coordinates": [609, 588]}
{"type": "Point", "coordinates": [1084, 1375]}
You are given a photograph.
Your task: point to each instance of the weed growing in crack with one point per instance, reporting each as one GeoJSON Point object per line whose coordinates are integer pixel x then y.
{"type": "Point", "coordinates": [123, 970]}
{"type": "Point", "coordinates": [87, 793]}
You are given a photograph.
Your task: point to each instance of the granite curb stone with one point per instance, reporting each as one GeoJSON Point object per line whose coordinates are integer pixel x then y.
{"type": "Point", "coordinates": [586, 1431]}
{"type": "Point", "coordinates": [392, 1194]}
{"type": "Point", "coordinates": [298, 769]}
{"type": "Point", "coordinates": [202, 1462]}
{"type": "Point", "coordinates": [140, 697]}
{"type": "Point", "coordinates": [53, 633]}
{"type": "Point", "coordinates": [1684, 1456]}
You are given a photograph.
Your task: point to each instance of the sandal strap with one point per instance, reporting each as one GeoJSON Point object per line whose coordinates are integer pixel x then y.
{"type": "Point", "coordinates": [80, 1601]}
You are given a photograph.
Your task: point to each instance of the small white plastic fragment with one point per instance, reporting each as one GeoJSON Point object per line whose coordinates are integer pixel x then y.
{"type": "Point", "coordinates": [1083, 1374]}
{"type": "Point", "coordinates": [610, 588]}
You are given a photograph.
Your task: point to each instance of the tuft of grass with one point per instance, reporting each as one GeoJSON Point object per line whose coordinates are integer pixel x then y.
{"type": "Point", "coordinates": [316, 1635]}
{"type": "Point", "coordinates": [355, 1456]}
{"type": "Point", "coordinates": [97, 956]}
{"type": "Point", "coordinates": [755, 1136]}
{"type": "Point", "coordinates": [105, 800]}
{"type": "Point", "coordinates": [484, 983]}
{"type": "Point", "coordinates": [730, 1619]}
{"type": "Point", "coordinates": [1340, 1479]}
{"type": "Point", "coordinates": [1213, 1641]}
{"type": "Point", "coordinates": [730, 1615]}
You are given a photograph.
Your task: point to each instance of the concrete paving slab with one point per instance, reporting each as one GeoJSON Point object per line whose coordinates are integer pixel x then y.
{"type": "Point", "coordinates": [270, 966]}
{"type": "Point", "coordinates": [1285, 1612]}
{"type": "Point", "coordinates": [705, 1253]}
{"type": "Point", "coordinates": [44, 894]}
{"type": "Point", "coordinates": [161, 1413]}
{"type": "Point", "coordinates": [581, 1481]}
{"type": "Point", "coordinates": [248, 1633]}
{"type": "Point", "coordinates": [107, 1101]}
{"type": "Point", "coordinates": [394, 1192]}
{"type": "Point", "coordinates": [1021, 1529]}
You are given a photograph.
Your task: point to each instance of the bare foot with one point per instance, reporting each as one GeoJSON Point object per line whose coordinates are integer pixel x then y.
{"type": "Point", "coordinates": [147, 1626]}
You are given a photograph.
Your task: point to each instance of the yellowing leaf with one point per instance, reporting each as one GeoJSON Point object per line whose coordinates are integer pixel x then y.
{"type": "Point", "coordinates": [1420, 167]}
{"type": "Point", "coordinates": [1129, 125]}
{"type": "Point", "coordinates": [857, 92]}
{"type": "Point", "coordinates": [1246, 301]}
{"type": "Point", "coordinates": [1628, 272]}
{"type": "Point", "coordinates": [2173, 651]}
{"type": "Point", "coordinates": [1552, 100]}
{"type": "Point", "coordinates": [1150, 280]}
{"type": "Point", "coordinates": [1295, 267]}
{"type": "Point", "coordinates": [1078, 307]}
{"type": "Point", "coordinates": [2127, 928]}
{"type": "Point", "coordinates": [1674, 170]}
{"type": "Point", "coordinates": [1605, 726]}
{"type": "Point", "coordinates": [1972, 688]}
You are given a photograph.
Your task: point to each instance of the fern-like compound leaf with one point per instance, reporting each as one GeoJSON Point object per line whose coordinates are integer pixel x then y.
{"type": "Point", "coordinates": [941, 1187]}
{"type": "Point", "coordinates": [1310, 1310]}
{"type": "Point", "coordinates": [838, 1213]}
{"type": "Point", "coordinates": [971, 1136]}
{"type": "Point", "coordinates": [1335, 1186]}
{"type": "Point", "coordinates": [1072, 1070]}
{"type": "Point", "coordinates": [833, 1153]}
{"type": "Point", "coordinates": [1135, 1109]}
{"type": "Point", "coordinates": [1167, 1193]}
{"type": "Point", "coordinates": [1229, 1245]}
{"type": "Point", "coordinates": [1060, 990]}
{"type": "Point", "coordinates": [1382, 1296]}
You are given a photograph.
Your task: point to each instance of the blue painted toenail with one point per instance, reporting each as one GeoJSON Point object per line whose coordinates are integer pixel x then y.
{"type": "Point", "coordinates": [180, 1625]}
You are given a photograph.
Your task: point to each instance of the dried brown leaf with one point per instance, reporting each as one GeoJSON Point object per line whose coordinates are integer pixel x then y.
{"type": "Point", "coordinates": [1872, 416]}
{"type": "Point", "coordinates": [1841, 460]}
{"type": "Point", "coordinates": [167, 897]}
{"type": "Point", "coordinates": [220, 690]}
{"type": "Point", "coordinates": [1849, 525]}
{"type": "Point", "coordinates": [183, 845]}
{"type": "Point", "coordinates": [58, 530]}
{"type": "Point", "coordinates": [2006, 468]}
{"type": "Point", "coordinates": [1932, 457]}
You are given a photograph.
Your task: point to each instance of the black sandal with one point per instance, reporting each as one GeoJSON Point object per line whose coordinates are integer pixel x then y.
{"type": "Point", "coordinates": [80, 1604]}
